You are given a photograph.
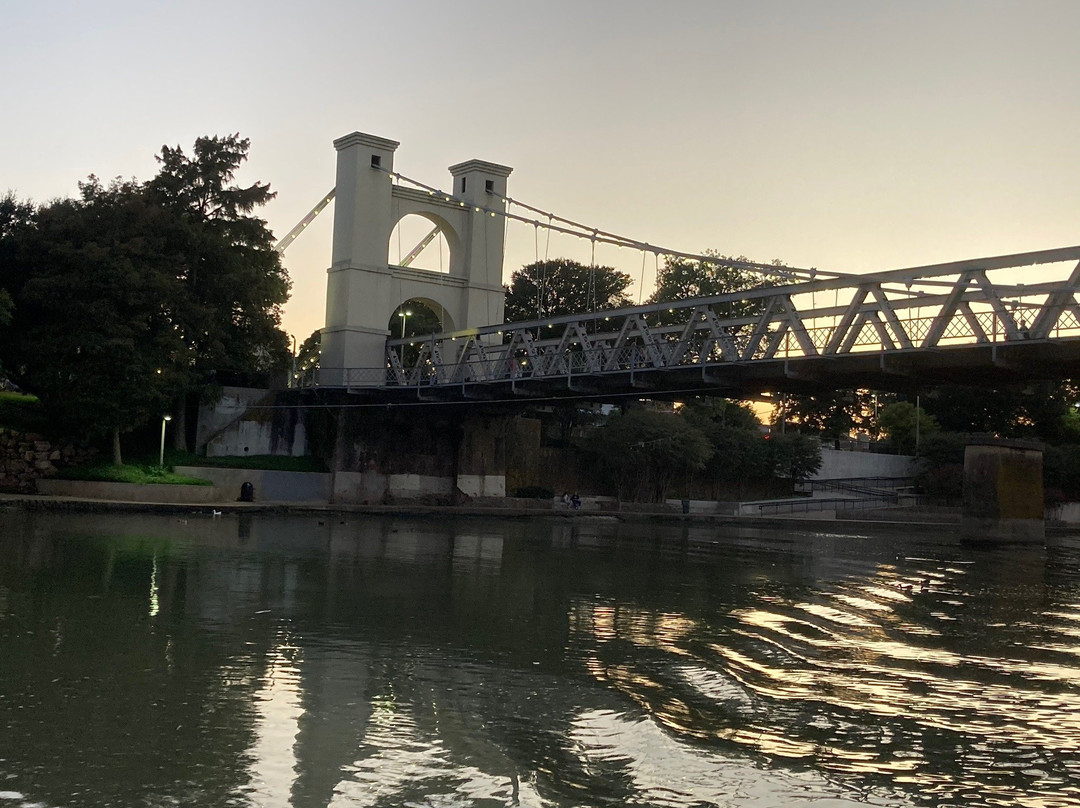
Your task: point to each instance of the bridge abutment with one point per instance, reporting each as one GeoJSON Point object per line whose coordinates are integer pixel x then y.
{"type": "Point", "coordinates": [1003, 491]}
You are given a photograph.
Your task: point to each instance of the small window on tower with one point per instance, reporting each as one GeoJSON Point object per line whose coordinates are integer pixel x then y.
{"type": "Point", "coordinates": [489, 186]}
{"type": "Point", "coordinates": [376, 161]}
{"type": "Point", "coordinates": [463, 184]}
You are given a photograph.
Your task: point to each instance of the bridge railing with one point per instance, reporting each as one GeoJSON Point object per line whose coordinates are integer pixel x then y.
{"type": "Point", "coordinates": [687, 344]}
{"type": "Point", "coordinates": [919, 309]}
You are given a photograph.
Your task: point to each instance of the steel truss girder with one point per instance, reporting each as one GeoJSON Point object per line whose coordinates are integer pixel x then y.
{"type": "Point", "coordinates": [894, 313]}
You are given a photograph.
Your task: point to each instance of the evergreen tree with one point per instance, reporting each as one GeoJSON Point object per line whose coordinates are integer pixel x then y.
{"type": "Point", "coordinates": [234, 283]}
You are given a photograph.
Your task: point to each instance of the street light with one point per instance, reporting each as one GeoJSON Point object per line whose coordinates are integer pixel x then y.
{"type": "Point", "coordinates": [161, 456]}
{"type": "Point", "coordinates": [292, 370]}
{"type": "Point", "coordinates": [404, 315]}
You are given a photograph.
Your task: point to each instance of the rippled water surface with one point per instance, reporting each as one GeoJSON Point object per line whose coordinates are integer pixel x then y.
{"type": "Point", "coordinates": [316, 661]}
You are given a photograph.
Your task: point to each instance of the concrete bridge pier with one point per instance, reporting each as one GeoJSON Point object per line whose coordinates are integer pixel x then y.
{"type": "Point", "coordinates": [481, 457]}
{"type": "Point", "coordinates": [1003, 491]}
{"type": "Point", "coordinates": [434, 456]}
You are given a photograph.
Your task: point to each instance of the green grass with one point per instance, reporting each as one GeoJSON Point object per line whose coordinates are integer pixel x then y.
{"type": "Point", "coordinates": [139, 474]}
{"type": "Point", "coordinates": [22, 413]}
{"type": "Point", "coordinates": [267, 462]}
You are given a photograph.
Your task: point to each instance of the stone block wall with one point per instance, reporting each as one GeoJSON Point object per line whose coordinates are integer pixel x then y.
{"type": "Point", "coordinates": [26, 457]}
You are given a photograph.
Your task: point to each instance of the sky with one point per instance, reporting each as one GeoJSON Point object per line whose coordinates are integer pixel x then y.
{"type": "Point", "coordinates": [850, 135]}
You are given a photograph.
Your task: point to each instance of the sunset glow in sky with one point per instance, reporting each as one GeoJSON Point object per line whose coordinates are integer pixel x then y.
{"type": "Point", "coordinates": [842, 134]}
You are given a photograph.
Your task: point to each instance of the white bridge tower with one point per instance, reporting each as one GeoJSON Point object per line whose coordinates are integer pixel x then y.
{"type": "Point", "coordinates": [363, 288]}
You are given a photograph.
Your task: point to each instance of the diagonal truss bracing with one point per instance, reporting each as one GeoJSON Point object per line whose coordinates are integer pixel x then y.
{"type": "Point", "coordinates": [902, 312]}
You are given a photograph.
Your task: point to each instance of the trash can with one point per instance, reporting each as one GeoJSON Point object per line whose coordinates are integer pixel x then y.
{"type": "Point", "coordinates": [686, 506]}
{"type": "Point", "coordinates": [247, 492]}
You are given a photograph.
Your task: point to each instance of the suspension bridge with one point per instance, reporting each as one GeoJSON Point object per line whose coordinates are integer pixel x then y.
{"type": "Point", "coordinates": [800, 330]}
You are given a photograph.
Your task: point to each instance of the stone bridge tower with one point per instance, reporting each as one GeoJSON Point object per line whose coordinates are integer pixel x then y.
{"type": "Point", "coordinates": [363, 289]}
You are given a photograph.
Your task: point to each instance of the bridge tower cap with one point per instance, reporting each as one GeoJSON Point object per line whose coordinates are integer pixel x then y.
{"type": "Point", "coordinates": [362, 139]}
{"type": "Point", "coordinates": [480, 166]}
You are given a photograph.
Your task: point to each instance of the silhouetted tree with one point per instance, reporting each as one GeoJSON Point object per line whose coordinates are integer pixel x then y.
{"type": "Point", "coordinates": [832, 415]}
{"type": "Point", "coordinates": [93, 334]}
{"type": "Point", "coordinates": [307, 355]}
{"type": "Point", "coordinates": [901, 422]}
{"type": "Point", "coordinates": [642, 451]}
{"type": "Point", "coordinates": [561, 286]}
{"type": "Point", "coordinates": [235, 284]}
{"type": "Point", "coordinates": [683, 278]}
{"type": "Point", "coordinates": [795, 456]}
{"type": "Point", "coordinates": [133, 295]}
{"type": "Point", "coordinates": [1044, 410]}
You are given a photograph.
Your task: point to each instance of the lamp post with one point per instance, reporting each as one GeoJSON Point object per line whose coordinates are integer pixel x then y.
{"type": "Point", "coordinates": [404, 315]}
{"type": "Point", "coordinates": [161, 455]}
{"type": "Point", "coordinates": [292, 369]}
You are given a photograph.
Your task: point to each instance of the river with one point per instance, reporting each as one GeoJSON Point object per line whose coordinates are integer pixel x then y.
{"type": "Point", "coordinates": [310, 661]}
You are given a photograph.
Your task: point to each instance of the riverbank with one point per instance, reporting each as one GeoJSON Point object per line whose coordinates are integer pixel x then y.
{"type": "Point", "coordinates": [502, 509]}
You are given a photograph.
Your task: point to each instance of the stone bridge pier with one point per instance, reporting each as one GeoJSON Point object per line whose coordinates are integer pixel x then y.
{"type": "Point", "coordinates": [1003, 491]}
{"type": "Point", "coordinates": [443, 455]}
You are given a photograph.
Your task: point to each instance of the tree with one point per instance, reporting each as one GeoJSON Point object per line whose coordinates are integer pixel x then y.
{"type": "Point", "coordinates": [1061, 470]}
{"type": "Point", "coordinates": [941, 465]}
{"type": "Point", "coordinates": [832, 415]}
{"type": "Point", "coordinates": [235, 285]}
{"type": "Point", "coordinates": [133, 295]}
{"type": "Point", "coordinates": [1044, 410]}
{"type": "Point", "coordinates": [15, 217]}
{"type": "Point", "coordinates": [92, 335]}
{"type": "Point", "coordinates": [642, 451]}
{"type": "Point", "coordinates": [795, 456]}
{"type": "Point", "coordinates": [740, 455]}
{"type": "Point", "coordinates": [419, 319]}
{"type": "Point", "coordinates": [904, 425]}
{"type": "Point", "coordinates": [683, 278]}
{"type": "Point", "coordinates": [706, 413]}
{"type": "Point", "coordinates": [307, 355]}
{"type": "Point", "coordinates": [560, 286]}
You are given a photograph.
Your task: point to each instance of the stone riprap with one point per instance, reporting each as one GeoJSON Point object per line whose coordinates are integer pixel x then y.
{"type": "Point", "coordinates": [26, 457]}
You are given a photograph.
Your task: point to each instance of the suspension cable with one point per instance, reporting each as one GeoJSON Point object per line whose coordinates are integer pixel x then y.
{"type": "Point", "coordinates": [605, 237]}
{"type": "Point", "coordinates": [578, 230]}
{"type": "Point", "coordinates": [641, 283]}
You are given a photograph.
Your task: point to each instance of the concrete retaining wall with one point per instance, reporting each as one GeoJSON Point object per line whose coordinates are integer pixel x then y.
{"type": "Point", "coordinates": [233, 403]}
{"type": "Point", "coordinates": [702, 506]}
{"type": "Point", "coordinates": [237, 425]}
{"type": "Point", "coordinates": [839, 465]}
{"type": "Point", "coordinates": [130, 492]}
{"type": "Point", "coordinates": [270, 486]}
{"type": "Point", "coordinates": [1066, 512]}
